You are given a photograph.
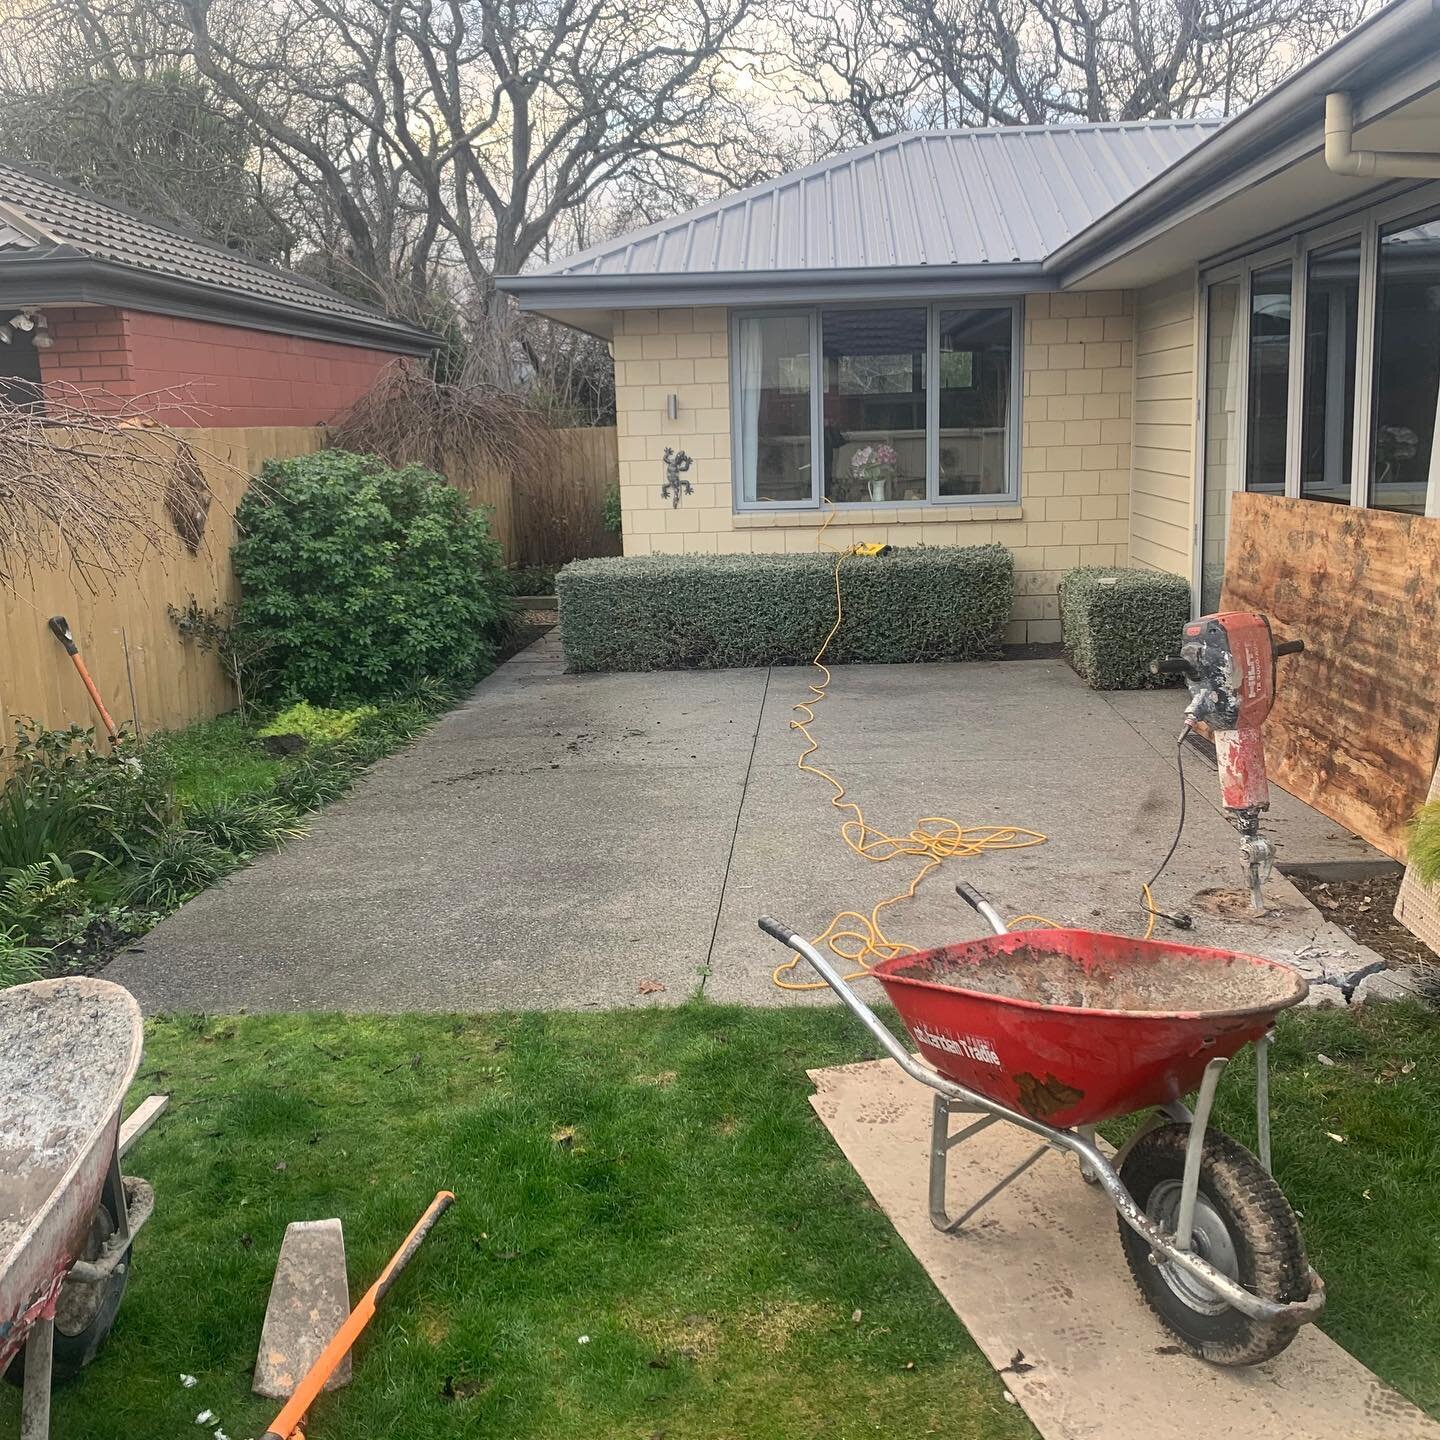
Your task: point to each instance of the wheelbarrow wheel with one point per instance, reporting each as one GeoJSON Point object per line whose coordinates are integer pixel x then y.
{"type": "Point", "coordinates": [1243, 1226]}
{"type": "Point", "coordinates": [85, 1312]}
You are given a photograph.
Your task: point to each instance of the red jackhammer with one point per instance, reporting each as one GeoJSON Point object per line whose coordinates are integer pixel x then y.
{"type": "Point", "coordinates": [1228, 663]}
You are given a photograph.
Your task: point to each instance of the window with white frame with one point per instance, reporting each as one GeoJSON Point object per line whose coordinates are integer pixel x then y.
{"type": "Point", "coordinates": [876, 405]}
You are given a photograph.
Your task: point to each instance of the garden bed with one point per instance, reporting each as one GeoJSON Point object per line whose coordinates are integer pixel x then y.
{"type": "Point", "coordinates": [96, 848]}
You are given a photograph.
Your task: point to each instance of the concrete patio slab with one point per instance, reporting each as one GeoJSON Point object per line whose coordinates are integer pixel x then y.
{"type": "Point", "coordinates": [1039, 1280]}
{"type": "Point", "coordinates": [559, 838]}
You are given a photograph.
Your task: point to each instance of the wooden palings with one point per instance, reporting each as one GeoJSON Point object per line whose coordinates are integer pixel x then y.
{"type": "Point", "coordinates": [1356, 720]}
{"type": "Point", "coordinates": [175, 681]}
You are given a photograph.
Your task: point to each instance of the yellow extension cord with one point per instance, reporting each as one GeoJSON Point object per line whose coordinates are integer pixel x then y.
{"type": "Point", "coordinates": [856, 938]}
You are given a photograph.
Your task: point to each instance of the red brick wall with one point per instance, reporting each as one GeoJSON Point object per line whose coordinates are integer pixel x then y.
{"type": "Point", "coordinates": [234, 376]}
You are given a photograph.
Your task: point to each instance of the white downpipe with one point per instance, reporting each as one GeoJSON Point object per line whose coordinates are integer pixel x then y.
{"type": "Point", "coordinates": [1344, 159]}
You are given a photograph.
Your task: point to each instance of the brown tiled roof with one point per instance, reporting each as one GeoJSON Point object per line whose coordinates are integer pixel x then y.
{"type": "Point", "coordinates": [43, 221]}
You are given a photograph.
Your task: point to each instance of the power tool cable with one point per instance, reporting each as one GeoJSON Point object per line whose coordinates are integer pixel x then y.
{"type": "Point", "coordinates": [852, 936]}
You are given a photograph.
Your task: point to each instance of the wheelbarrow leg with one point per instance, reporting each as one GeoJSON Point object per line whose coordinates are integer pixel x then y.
{"type": "Point", "coordinates": [35, 1397]}
{"type": "Point", "coordinates": [942, 1142]}
{"type": "Point", "coordinates": [1194, 1149]}
{"type": "Point", "coordinates": [1262, 1098]}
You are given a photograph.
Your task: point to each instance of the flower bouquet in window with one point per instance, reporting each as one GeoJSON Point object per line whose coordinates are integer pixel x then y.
{"type": "Point", "coordinates": [875, 467]}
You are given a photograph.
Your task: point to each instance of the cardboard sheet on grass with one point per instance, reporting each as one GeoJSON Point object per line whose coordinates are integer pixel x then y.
{"type": "Point", "coordinates": [1356, 722]}
{"type": "Point", "coordinates": [1042, 1273]}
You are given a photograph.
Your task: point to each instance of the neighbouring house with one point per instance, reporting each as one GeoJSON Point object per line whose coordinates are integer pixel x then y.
{"type": "Point", "coordinates": [1076, 340]}
{"type": "Point", "coordinates": [122, 308]}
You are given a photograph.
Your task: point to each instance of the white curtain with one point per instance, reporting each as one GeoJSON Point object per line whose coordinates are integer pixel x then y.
{"type": "Point", "coordinates": [752, 363]}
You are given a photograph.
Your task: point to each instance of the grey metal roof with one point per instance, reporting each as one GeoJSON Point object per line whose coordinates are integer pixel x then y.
{"type": "Point", "coordinates": [47, 225]}
{"type": "Point", "coordinates": [931, 198]}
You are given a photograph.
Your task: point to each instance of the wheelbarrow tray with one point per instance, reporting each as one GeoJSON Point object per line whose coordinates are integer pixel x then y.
{"type": "Point", "coordinates": [69, 1049]}
{"type": "Point", "coordinates": [1074, 1027]}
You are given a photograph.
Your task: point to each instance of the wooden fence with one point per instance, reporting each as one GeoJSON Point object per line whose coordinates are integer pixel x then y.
{"type": "Point", "coordinates": [173, 681]}
{"type": "Point", "coordinates": [145, 671]}
{"type": "Point", "coordinates": [560, 514]}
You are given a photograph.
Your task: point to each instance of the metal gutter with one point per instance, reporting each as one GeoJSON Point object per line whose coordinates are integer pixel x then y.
{"type": "Point", "coordinates": [1387, 38]}
{"type": "Point", "coordinates": [64, 275]}
{"type": "Point", "coordinates": [749, 287]}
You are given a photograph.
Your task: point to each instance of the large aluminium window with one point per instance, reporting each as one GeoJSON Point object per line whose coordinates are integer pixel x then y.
{"type": "Point", "coordinates": [875, 405]}
{"type": "Point", "coordinates": [1322, 364]}
{"type": "Point", "coordinates": [1406, 365]}
{"type": "Point", "coordinates": [1332, 321]}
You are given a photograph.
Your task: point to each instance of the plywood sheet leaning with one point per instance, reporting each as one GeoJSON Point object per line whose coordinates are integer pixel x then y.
{"type": "Point", "coordinates": [1417, 906]}
{"type": "Point", "coordinates": [1356, 719]}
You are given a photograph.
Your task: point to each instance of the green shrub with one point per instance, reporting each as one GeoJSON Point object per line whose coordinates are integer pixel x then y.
{"type": "Point", "coordinates": [317, 724]}
{"type": "Point", "coordinates": [1115, 621]}
{"type": "Point", "coordinates": [612, 516]}
{"type": "Point", "coordinates": [532, 579]}
{"type": "Point", "coordinates": [361, 580]}
{"type": "Point", "coordinates": [665, 612]}
{"type": "Point", "coordinates": [53, 803]}
{"type": "Point", "coordinates": [40, 899]}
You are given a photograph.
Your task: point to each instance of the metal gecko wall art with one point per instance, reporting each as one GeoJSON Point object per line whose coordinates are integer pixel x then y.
{"type": "Point", "coordinates": [676, 464]}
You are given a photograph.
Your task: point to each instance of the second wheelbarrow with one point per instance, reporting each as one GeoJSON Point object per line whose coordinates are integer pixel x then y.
{"type": "Point", "coordinates": [69, 1049]}
{"type": "Point", "coordinates": [1057, 1031]}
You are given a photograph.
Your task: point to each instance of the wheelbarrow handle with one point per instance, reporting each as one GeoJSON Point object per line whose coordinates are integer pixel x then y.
{"type": "Point", "coordinates": [857, 1007]}
{"type": "Point", "coordinates": [987, 912]}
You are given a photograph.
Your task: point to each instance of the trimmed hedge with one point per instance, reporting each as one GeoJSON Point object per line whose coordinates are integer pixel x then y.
{"type": "Point", "coordinates": [1114, 622]}
{"type": "Point", "coordinates": [677, 612]}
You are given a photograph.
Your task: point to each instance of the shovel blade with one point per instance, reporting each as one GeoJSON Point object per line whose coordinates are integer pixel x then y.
{"type": "Point", "coordinates": [309, 1302]}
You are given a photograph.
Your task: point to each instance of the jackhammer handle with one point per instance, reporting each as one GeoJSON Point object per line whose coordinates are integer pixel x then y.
{"type": "Point", "coordinates": [1289, 647]}
{"type": "Point", "coordinates": [1171, 665]}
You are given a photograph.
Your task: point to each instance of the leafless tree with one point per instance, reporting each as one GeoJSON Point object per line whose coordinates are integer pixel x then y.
{"type": "Point", "coordinates": [471, 126]}
{"type": "Point", "coordinates": [89, 481]}
{"type": "Point", "coordinates": [904, 64]}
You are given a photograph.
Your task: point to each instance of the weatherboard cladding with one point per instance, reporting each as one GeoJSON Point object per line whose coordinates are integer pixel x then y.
{"type": "Point", "coordinates": [959, 197]}
{"type": "Point", "coordinates": [62, 217]}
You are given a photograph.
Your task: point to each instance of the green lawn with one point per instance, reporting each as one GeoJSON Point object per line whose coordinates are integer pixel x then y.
{"type": "Point", "coordinates": [657, 1182]}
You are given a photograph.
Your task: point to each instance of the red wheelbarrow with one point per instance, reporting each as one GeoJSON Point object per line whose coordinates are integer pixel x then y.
{"type": "Point", "coordinates": [1057, 1031]}
{"type": "Point", "coordinates": [68, 1052]}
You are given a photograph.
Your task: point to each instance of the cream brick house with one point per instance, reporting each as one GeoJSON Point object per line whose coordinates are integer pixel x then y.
{"type": "Point", "coordinates": [1077, 341]}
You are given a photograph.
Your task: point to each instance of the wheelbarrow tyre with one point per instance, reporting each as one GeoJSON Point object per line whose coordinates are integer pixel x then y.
{"type": "Point", "coordinates": [1238, 1205]}
{"type": "Point", "coordinates": [85, 1313]}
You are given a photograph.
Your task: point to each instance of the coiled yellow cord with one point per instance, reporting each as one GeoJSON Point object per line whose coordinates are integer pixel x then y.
{"type": "Point", "coordinates": [857, 938]}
